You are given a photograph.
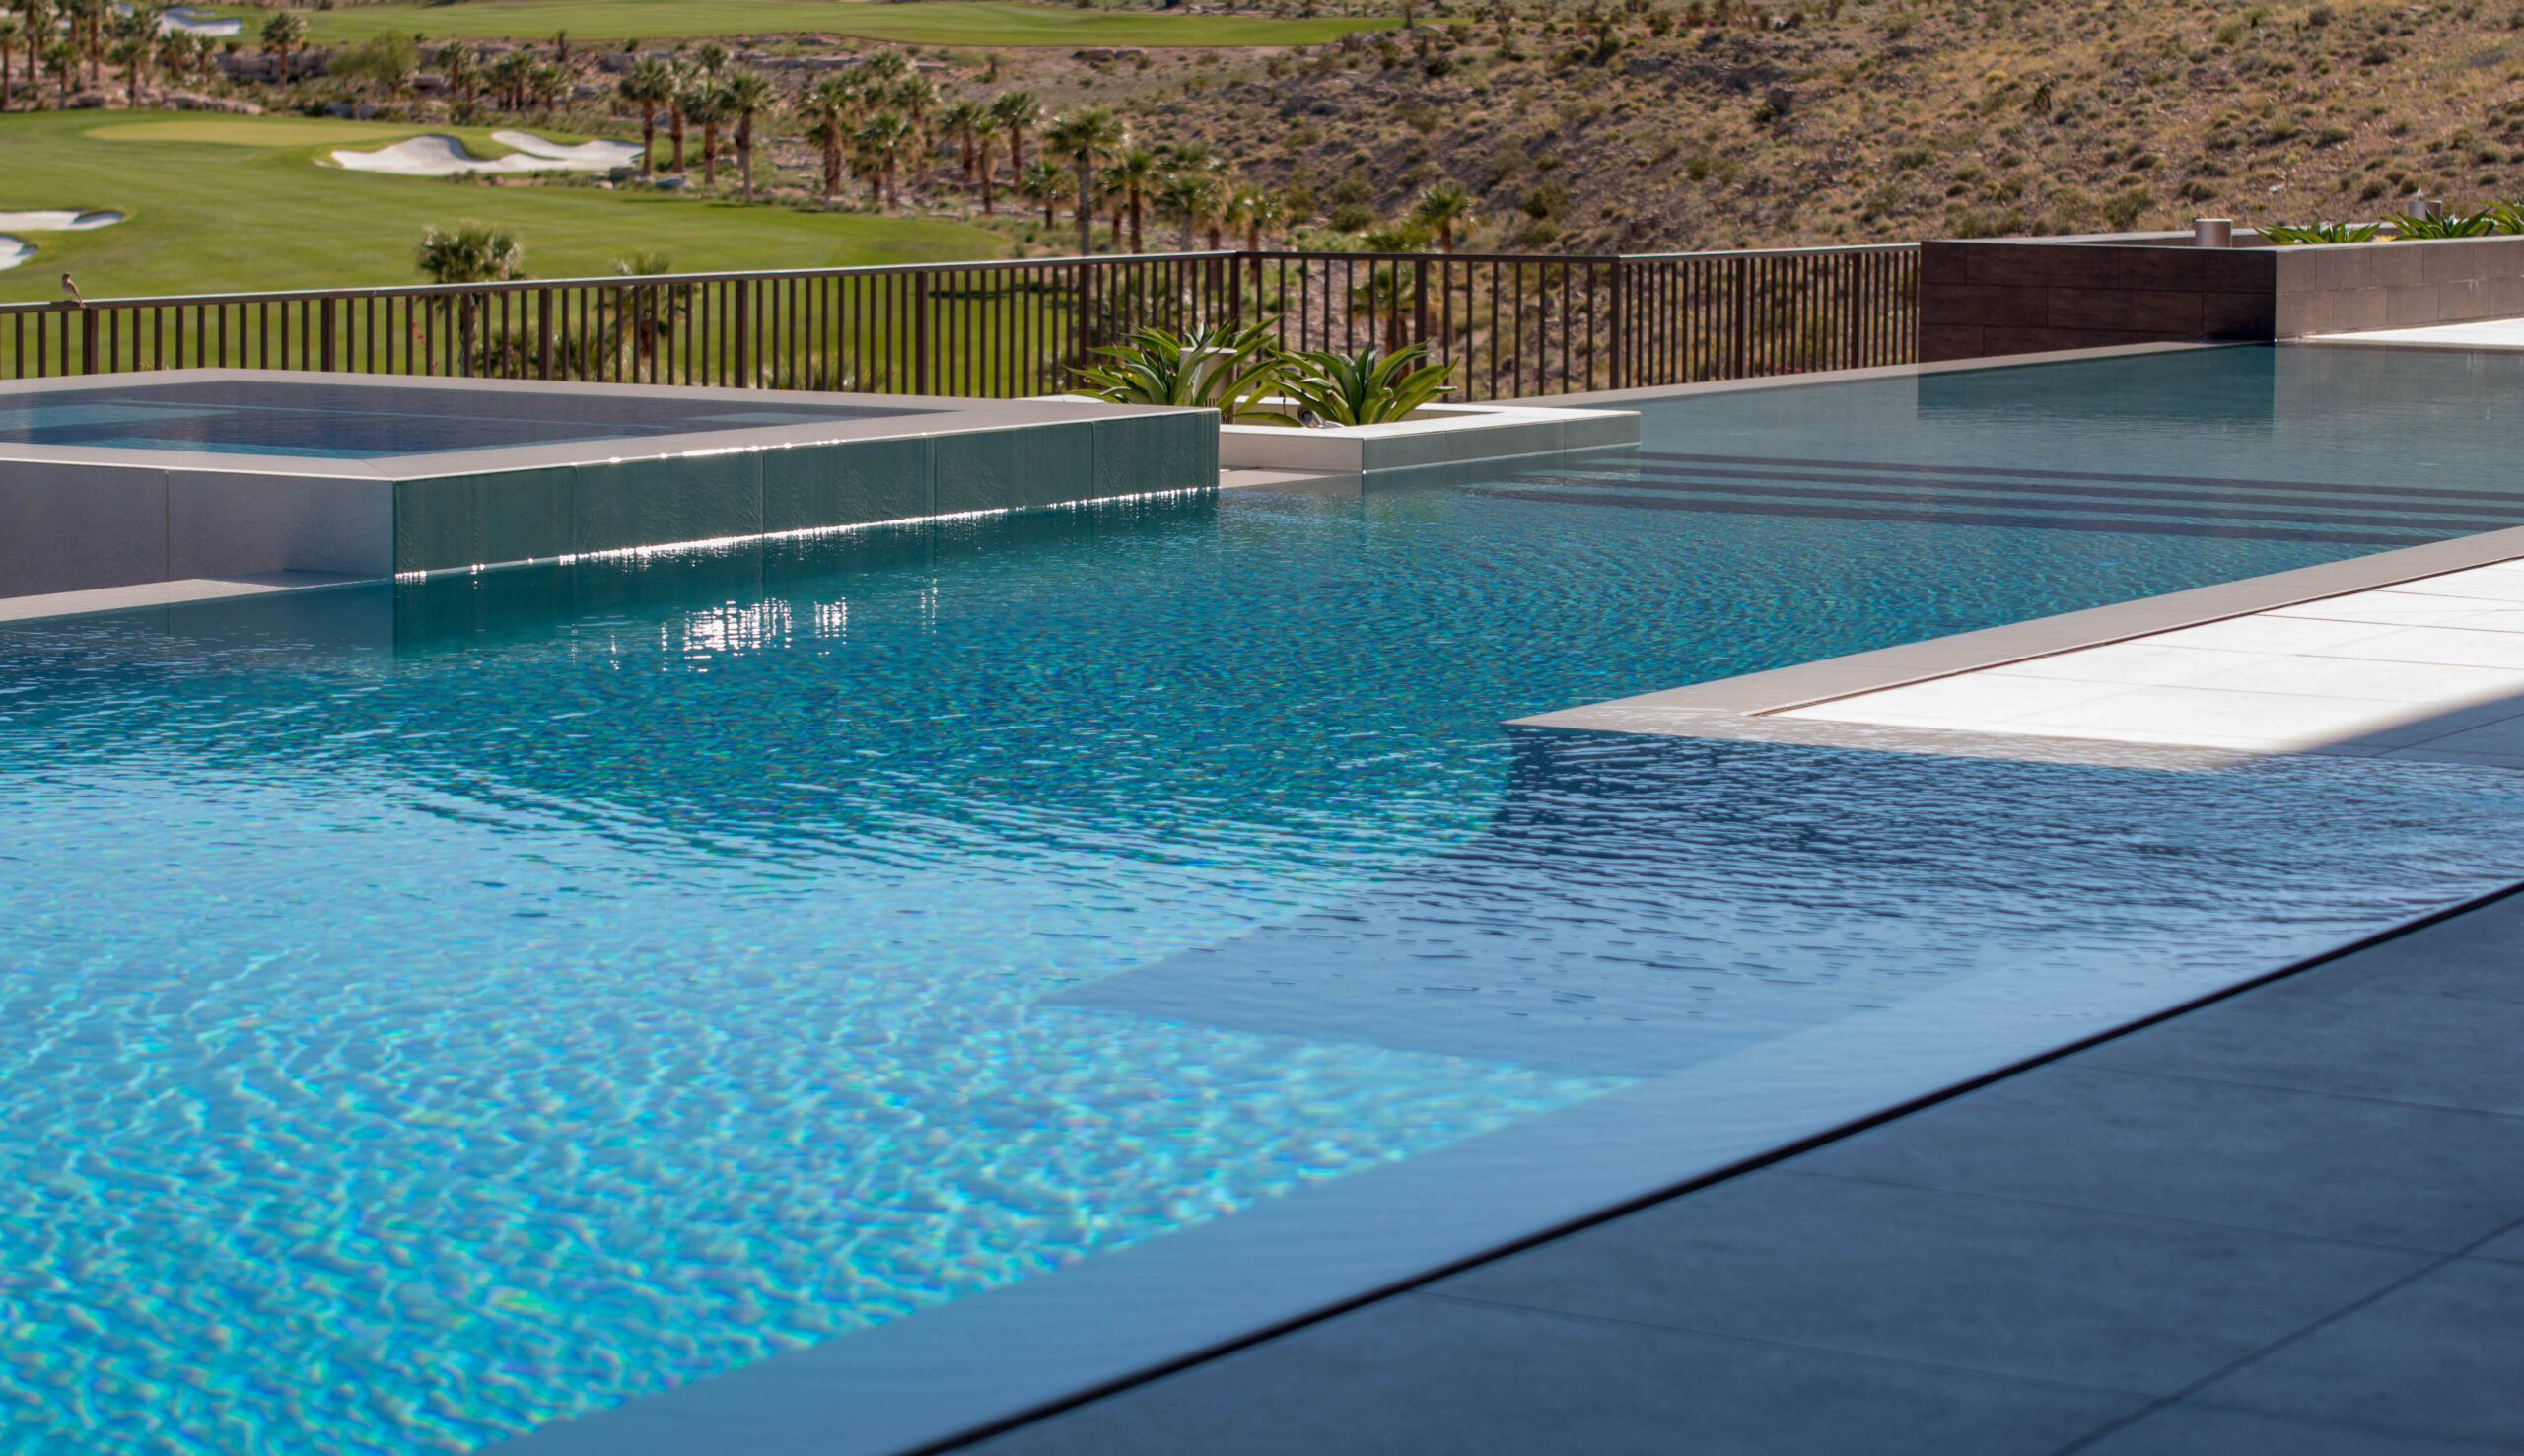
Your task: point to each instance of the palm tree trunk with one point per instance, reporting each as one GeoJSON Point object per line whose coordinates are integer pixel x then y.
{"type": "Point", "coordinates": [1085, 213]}
{"type": "Point", "coordinates": [674, 130]}
{"type": "Point", "coordinates": [985, 184]}
{"type": "Point", "coordinates": [648, 140]}
{"type": "Point", "coordinates": [1136, 241]}
{"type": "Point", "coordinates": [744, 154]}
{"type": "Point", "coordinates": [709, 154]}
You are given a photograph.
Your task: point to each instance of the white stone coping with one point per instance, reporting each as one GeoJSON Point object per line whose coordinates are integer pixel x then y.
{"type": "Point", "coordinates": [1435, 434]}
{"type": "Point", "coordinates": [2485, 333]}
{"type": "Point", "coordinates": [905, 415]}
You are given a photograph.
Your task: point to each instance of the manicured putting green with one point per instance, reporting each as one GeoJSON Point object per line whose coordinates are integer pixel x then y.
{"type": "Point", "coordinates": [958, 23]}
{"type": "Point", "coordinates": [237, 204]}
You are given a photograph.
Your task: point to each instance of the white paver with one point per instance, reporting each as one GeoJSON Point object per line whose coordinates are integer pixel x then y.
{"type": "Point", "coordinates": [2431, 668]}
{"type": "Point", "coordinates": [2489, 333]}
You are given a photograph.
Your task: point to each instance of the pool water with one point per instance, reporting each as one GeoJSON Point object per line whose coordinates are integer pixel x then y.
{"type": "Point", "coordinates": [357, 422]}
{"type": "Point", "coordinates": [439, 1007]}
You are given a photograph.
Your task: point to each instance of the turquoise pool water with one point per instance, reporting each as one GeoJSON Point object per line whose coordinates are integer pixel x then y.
{"type": "Point", "coordinates": [436, 1009]}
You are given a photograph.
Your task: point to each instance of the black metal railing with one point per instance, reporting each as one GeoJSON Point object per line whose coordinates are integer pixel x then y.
{"type": "Point", "coordinates": [1508, 326]}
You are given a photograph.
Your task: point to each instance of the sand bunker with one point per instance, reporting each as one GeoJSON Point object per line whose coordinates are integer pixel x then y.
{"type": "Point", "coordinates": [445, 156]}
{"type": "Point", "coordinates": [58, 220]}
{"type": "Point", "coordinates": [197, 22]}
{"type": "Point", "coordinates": [13, 251]}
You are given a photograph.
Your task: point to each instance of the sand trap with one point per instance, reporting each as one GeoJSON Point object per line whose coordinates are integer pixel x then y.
{"type": "Point", "coordinates": [58, 220]}
{"type": "Point", "coordinates": [13, 251]}
{"type": "Point", "coordinates": [445, 156]}
{"type": "Point", "coordinates": [584, 155]}
{"type": "Point", "coordinates": [198, 22]}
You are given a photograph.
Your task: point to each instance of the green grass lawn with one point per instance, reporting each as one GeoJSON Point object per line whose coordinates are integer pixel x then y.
{"type": "Point", "coordinates": [957, 23]}
{"type": "Point", "coordinates": [230, 204]}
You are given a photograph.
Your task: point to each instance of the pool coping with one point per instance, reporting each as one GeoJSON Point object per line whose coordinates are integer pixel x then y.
{"type": "Point", "coordinates": [1746, 705]}
{"type": "Point", "coordinates": [904, 414]}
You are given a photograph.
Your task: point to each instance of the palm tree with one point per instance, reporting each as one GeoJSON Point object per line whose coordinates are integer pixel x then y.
{"type": "Point", "coordinates": [61, 58]}
{"type": "Point", "coordinates": [705, 105]}
{"type": "Point", "coordinates": [1043, 183]}
{"type": "Point", "coordinates": [511, 75]}
{"type": "Point", "coordinates": [1017, 112]}
{"type": "Point", "coordinates": [1259, 210]}
{"type": "Point", "coordinates": [915, 98]}
{"type": "Point", "coordinates": [1185, 197]}
{"type": "Point", "coordinates": [549, 82]}
{"type": "Point", "coordinates": [711, 58]}
{"type": "Point", "coordinates": [829, 105]}
{"type": "Point", "coordinates": [674, 116]}
{"type": "Point", "coordinates": [132, 55]}
{"type": "Point", "coordinates": [1440, 207]}
{"type": "Point", "coordinates": [648, 86]}
{"type": "Point", "coordinates": [1084, 136]}
{"type": "Point", "coordinates": [884, 139]}
{"type": "Point", "coordinates": [958, 125]}
{"type": "Point", "coordinates": [747, 95]}
{"type": "Point", "coordinates": [88, 30]}
{"type": "Point", "coordinates": [455, 63]}
{"type": "Point", "coordinates": [10, 31]}
{"type": "Point", "coordinates": [284, 33]}
{"type": "Point", "coordinates": [1134, 172]}
{"type": "Point", "coordinates": [985, 142]}
{"type": "Point", "coordinates": [470, 252]}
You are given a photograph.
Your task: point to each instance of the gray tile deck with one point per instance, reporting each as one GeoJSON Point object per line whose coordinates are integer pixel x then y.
{"type": "Point", "coordinates": [2289, 1222]}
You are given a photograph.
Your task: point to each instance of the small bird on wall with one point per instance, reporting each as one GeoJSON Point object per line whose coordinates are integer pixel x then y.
{"type": "Point", "coordinates": [72, 289]}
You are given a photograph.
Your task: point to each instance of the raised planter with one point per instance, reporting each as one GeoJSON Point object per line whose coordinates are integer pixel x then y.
{"type": "Point", "coordinates": [1435, 434]}
{"type": "Point", "coordinates": [1998, 296]}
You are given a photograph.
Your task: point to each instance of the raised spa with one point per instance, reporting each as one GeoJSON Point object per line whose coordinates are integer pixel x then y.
{"type": "Point", "coordinates": [209, 473]}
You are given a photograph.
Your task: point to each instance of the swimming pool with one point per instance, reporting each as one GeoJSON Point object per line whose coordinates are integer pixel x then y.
{"type": "Point", "coordinates": [907, 973]}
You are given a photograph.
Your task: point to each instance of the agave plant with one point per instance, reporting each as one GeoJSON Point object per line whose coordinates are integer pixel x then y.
{"type": "Point", "coordinates": [1367, 387]}
{"type": "Point", "coordinates": [2504, 217]}
{"type": "Point", "coordinates": [2281, 234]}
{"type": "Point", "coordinates": [2452, 225]}
{"type": "Point", "coordinates": [1220, 367]}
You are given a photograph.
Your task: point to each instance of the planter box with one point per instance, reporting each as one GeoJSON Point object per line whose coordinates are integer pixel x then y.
{"type": "Point", "coordinates": [2019, 296]}
{"type": "Point", "coordinates": [1436, 435]}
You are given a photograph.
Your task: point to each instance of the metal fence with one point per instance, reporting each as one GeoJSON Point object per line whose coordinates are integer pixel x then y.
{"type": "Point", "coordinates": [1508, 326]}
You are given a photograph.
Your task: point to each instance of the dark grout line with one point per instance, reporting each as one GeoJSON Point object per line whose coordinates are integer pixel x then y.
{"type": "Point", "coordinates": [2392, 1287]}
{"type": "Point", "coordinates": [1099, 1390]}
{"type": "Point", "coordinates": [2263, 1087]}
{"type": "Point", "coordinates": [2020, 1201]}
{"type": "Point", "coordinates": [2484, 1444]}
{"type": "Point", "coordinates": [1761, 1342]}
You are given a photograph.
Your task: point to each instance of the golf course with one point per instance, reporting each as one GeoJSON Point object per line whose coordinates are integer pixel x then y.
{"type": "Point", "coordinates": [229, 204]}
{"type": "Point", "coordinates": [983, 24]}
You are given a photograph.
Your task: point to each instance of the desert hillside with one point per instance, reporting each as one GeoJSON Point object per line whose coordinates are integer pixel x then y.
{"type": "Point", "coordinates": [1687, 128]}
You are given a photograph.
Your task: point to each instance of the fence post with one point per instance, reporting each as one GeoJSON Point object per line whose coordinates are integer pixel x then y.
{"type": "Point", "coordinates": [920, 380]}
{"type": "Point", "coordinates": [743, 364]}
{"type": "Point", "coordinates": [1081, 346]}
{"type": "Point", "coordinates": [1420, 301]}
{"type": "Point", "coordinates": [543, 330]}
{"type": "Point", "coordinates": [88, 341]}
{"type": "Point", "coordinates": [1740, 364]}
{"type": "Point", "coordinates": [328, 357]}
{"type": "Point", "coordinates": [1616, 368]}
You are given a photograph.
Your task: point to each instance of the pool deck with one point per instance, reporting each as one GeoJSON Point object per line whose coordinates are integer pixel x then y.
{"type": "Point", "coordinates": [2291, 1221]}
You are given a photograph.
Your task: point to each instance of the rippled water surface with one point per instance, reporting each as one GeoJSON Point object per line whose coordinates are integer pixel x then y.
{"type": "Point", "coordinates": [431, 1009]}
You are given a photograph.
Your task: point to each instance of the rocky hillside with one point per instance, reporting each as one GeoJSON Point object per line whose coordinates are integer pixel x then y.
{"type": "Point", "coordinates": [1739, 126]}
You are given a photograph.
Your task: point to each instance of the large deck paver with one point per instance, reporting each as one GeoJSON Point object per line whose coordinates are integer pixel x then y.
{"type": "Point", "coordinates": [2289, 1223]}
